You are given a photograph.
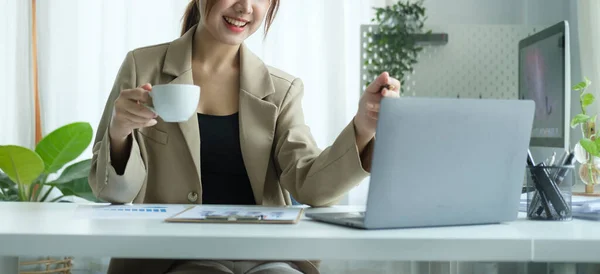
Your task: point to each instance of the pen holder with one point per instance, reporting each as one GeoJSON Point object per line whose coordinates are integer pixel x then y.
{"type": "Point", "coordinates": [549, 192]}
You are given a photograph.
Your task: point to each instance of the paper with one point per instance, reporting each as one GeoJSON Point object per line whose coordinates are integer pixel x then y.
{"type": "Point", "coordinates": [579, 203]}
{"type": "Point", "coordinates": [128, 211]}
{"type": "Point", "coordinates": [263, 213]}
{"type": "Point", "coordinates": [582, 200]}
{"type": "Point", "coordinates": [582, 207]}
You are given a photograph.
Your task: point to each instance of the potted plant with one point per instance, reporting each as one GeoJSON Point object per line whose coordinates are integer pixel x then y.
{"type": "Point", "coordinates": [25, 172]}
{"type": "Point", "coordinates": [587, 150]}
{"type": "Point", "coordinates": [392, 43]}
{"type": "Point", "coordinates": [25, 177]}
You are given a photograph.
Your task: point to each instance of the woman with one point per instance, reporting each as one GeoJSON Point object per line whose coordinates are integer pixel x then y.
{"type": "Point", "coordinates": [256, 148]}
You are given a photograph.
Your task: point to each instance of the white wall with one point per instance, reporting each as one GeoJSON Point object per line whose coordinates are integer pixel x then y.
{"type": "Point", "coordinates": [546, 11]}
{"type": "Point", "coordinates": [532, 12]}
{"type": "Point", "coordinates": [442, 12]}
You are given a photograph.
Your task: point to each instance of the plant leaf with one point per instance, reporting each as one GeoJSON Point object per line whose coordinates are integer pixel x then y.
{"type": "Point", "coordinates": [579, 119]}
{"type": "Point", "coordinates": [9, 188]}
{"type": "Point", "coordinates": [75, 171]}
{"type": "Point", "coordinates": [589, 146]}
{"type": "Point", "coordinates": [580, 86]}
{"type": "Point", "coordinates": [587, 99]}
{"type": "Point", "coordinates": [20, 164]}
{"type": "Point", "coordinates": [64, 145]}
{"type": "Point", "coordinates": [78, 187]}
{"type": "Point", "coordinates": [6, 182]}
{"type": "Point", "coordinates": [8, 197]}
{"type": "Point", "coordinates": [597, 142]}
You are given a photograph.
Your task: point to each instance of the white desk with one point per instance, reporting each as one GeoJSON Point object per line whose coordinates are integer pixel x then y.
{"type": "Point", "coordinates": [577, 241]}
{"type": "Point", "coordinates": [50, 229]}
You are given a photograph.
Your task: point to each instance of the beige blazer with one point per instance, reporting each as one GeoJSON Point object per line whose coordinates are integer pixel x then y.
{"type": "Point", "coordinates": [279, 153]}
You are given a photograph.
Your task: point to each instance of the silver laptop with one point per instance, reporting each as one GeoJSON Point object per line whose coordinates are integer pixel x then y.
{"type": "Point", "coordinates": [444, 162]}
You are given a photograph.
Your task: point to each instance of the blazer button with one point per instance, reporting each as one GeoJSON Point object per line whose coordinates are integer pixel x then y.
{"type": "Point", "coordinates": [192, 197]}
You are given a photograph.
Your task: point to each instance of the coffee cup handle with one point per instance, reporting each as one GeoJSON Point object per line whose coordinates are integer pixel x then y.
{"type": "Point", "coordinates": [149, 107]}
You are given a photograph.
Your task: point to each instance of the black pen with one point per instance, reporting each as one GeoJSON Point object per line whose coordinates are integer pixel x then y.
{"type": "Point", "coordinates": [560, 175]}
{"type": "Point", "coordinates": [386, 86]}
{"type": "Point", "coordinates": [539, 193]}
{"type": "Point", "coordinates": [537, 174]}
{"type": "Point", "coordinates": [551, 191]}
{"type": "Point", "coordinates": [564, 156]}
{"type": "Point", "coordinates": [544, 206]}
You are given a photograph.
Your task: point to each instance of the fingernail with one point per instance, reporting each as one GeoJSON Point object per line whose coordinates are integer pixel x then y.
{"type": "Point", "coordinates": [370, 106]}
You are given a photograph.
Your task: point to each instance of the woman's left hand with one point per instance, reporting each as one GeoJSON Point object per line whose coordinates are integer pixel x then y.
{"type": "Point", "coordinates": [365, 121]}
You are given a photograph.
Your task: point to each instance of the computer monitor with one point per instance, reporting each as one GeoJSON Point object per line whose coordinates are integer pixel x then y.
{"type": "Point", "coordinates": [544, 77]}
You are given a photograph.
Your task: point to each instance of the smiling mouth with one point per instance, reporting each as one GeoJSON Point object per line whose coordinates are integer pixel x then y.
{"type": "Point", "coordinates": [235, 22]}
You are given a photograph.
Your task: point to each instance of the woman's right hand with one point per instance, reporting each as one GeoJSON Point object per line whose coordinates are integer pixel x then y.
{"type": "Point", "coordinates": [129, 113]}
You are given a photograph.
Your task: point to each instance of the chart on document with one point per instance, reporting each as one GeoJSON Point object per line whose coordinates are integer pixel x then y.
{"type": "Point", "coordinates": [128, 211]}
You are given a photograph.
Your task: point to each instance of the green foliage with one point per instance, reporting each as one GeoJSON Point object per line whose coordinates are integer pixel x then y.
{"type": "Point", "coordinates": [21, 166]}
{"type": "Point", "coordinates": [589, 142]}
{"type": "Point", "coordinates": [74, 180]}
{"type": "Point", "coordinates": [589, 145]}
{"type": "Point", "coordinates": [64, 145]}
{"type": "Point", "coordinates": [392, 44]}
{"type": "Point", "coordinates": [8, 189]}
{"type": "Point", "coordinates": [26, 171]}
{"type": "Point", "coordinates": [586, 100]}
{"type": "Point", "coordinates": [579, 119]}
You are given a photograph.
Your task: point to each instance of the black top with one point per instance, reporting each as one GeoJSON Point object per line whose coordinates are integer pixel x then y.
{"type": "Point", "coordinates": [224, 176]}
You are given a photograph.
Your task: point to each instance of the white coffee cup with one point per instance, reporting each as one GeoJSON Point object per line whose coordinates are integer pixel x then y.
{"type": "Point", "coordinates": [175, 102]}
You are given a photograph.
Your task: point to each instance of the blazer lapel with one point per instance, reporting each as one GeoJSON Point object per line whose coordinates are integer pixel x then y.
{"type": "Point", "coordinates": [257, 119]}
{"type": "Point", "coordinates": [190, 129]}
{"type": "Point", "coordinates": [178, 63]}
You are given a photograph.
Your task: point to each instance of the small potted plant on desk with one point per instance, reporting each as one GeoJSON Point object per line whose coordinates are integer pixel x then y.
{"type": "Point", "coordinates": [587, 150]}
{"type": "Point", "coordinates": [25, 177]}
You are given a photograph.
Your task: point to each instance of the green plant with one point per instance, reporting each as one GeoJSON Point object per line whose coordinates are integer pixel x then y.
{"type": "Point", "coordinates": [26, 172]}
{"type": "Point", "coordinates": [589, 142]}
{"type": "Point", "coordinates": [392, 45]}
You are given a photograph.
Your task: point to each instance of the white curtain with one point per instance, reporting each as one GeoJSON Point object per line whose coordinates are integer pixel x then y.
{"type": "Point", "coordinates": [82, 44]}
{"type": "Point", "coordinates": [588, 14]}
{"type": "Point", "coordinates": [16, 93]}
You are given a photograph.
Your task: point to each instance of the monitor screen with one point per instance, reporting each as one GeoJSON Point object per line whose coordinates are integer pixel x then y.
{"type": "Point", "coordinates": [542, 76]}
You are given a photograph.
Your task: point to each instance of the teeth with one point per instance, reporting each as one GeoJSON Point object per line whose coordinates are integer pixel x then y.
{"type": "Point", "coordinates": [235, 22]}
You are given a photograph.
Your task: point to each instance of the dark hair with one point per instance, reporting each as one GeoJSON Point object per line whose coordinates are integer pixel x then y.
{"type": "Point", "coordinates": [192, 14]}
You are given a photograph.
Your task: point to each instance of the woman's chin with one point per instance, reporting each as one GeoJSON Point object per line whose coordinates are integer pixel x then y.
{"type": "Point", "coordinates": [232, 40]}
{"type": "Point", "coordinates": [234, 37]}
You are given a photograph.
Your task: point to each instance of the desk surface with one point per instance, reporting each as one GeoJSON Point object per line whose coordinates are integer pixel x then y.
{"type": "Point", "coordinates": [50, 229]}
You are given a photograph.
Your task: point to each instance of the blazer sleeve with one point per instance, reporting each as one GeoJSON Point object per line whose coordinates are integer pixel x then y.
{"type": "Point", "coordinates": [104, 181]}
{"type": "Point", "coordinates": [314, 177]}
